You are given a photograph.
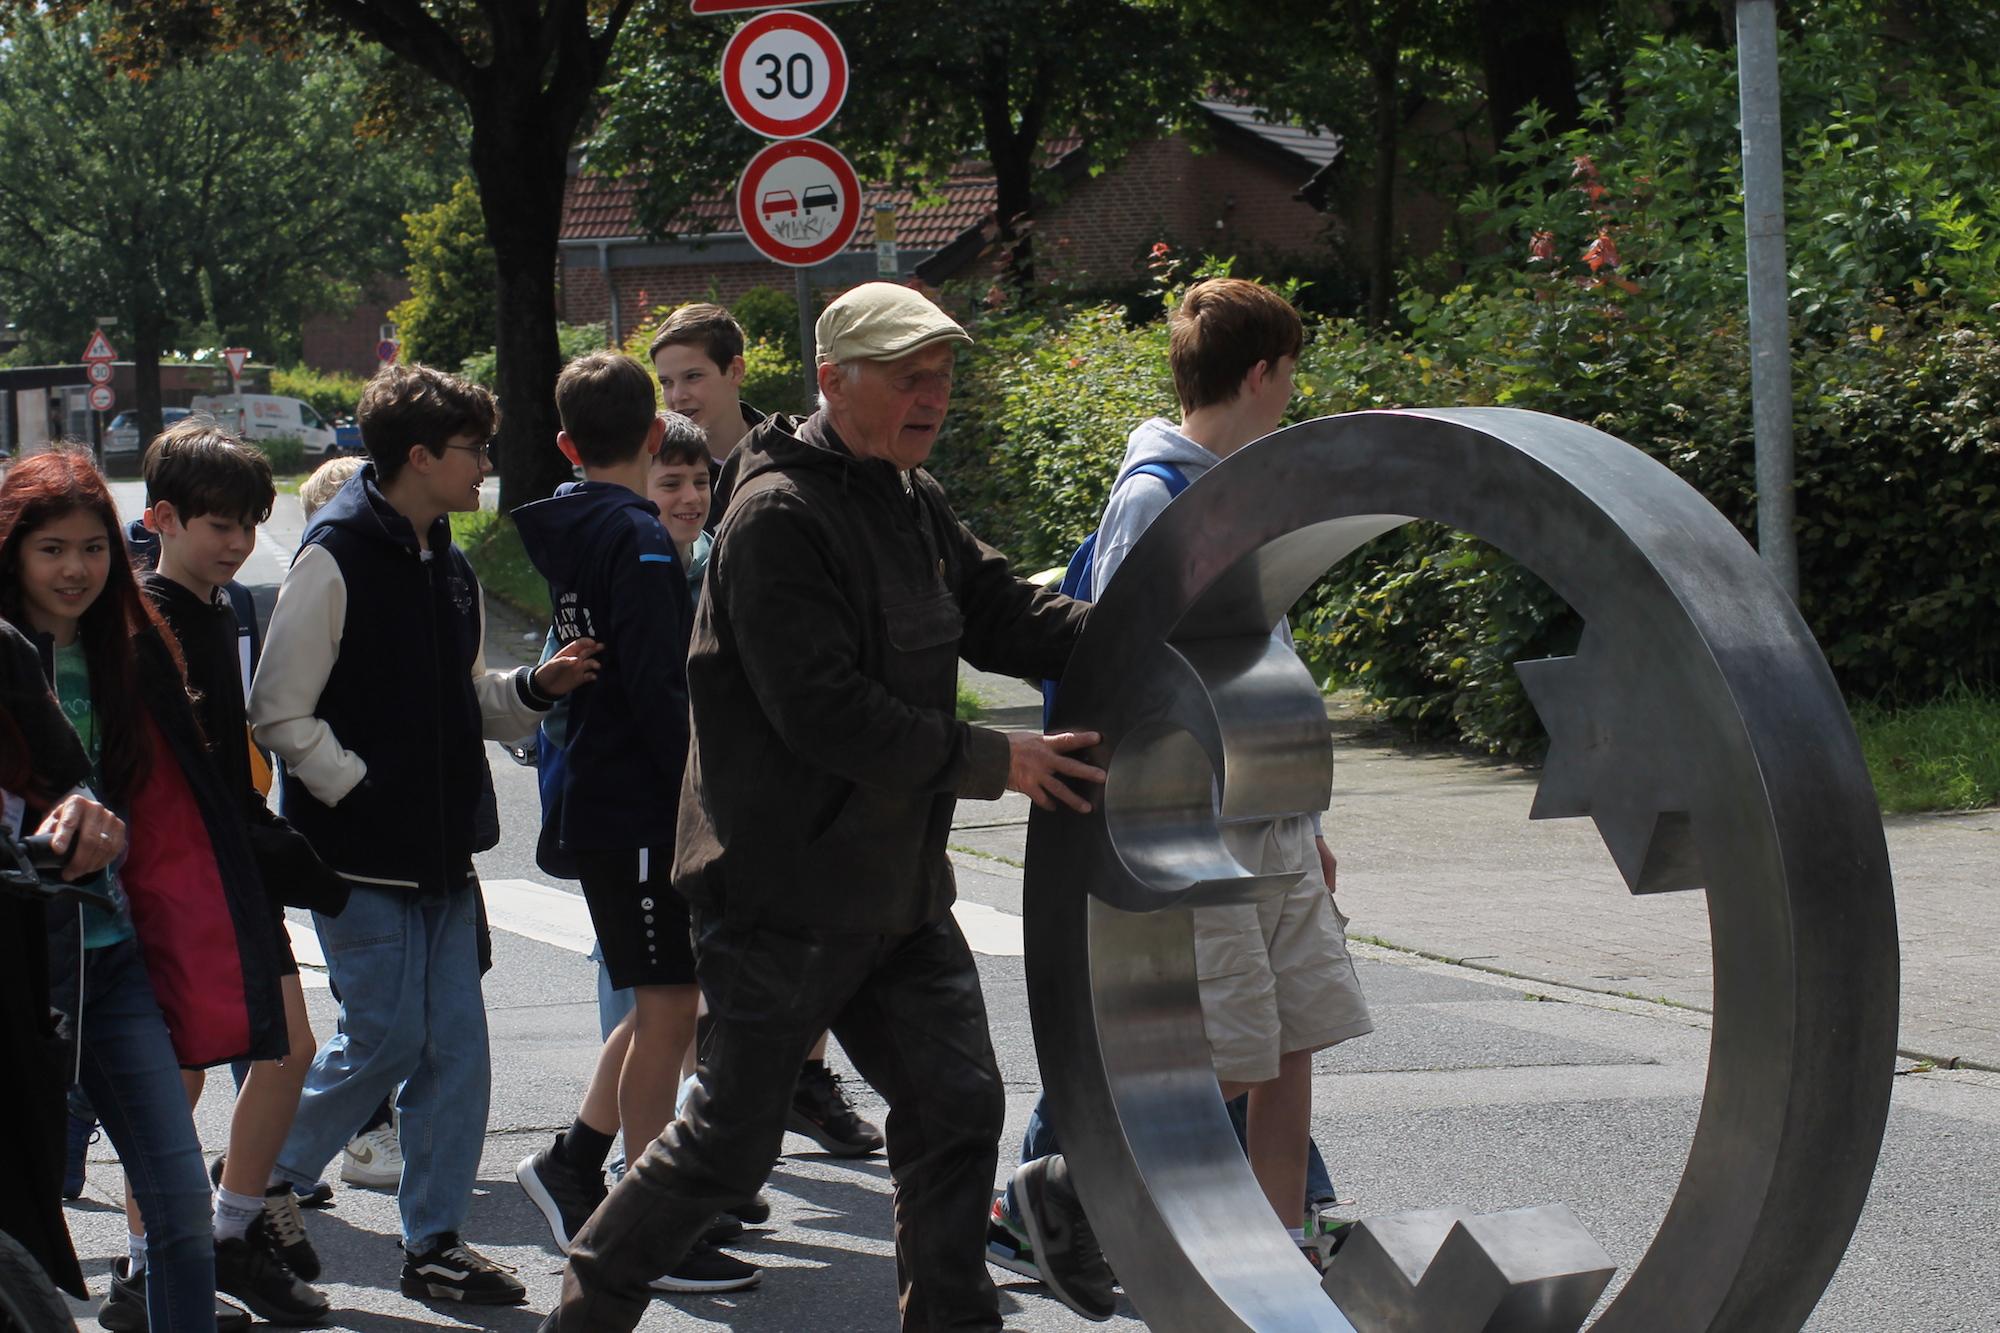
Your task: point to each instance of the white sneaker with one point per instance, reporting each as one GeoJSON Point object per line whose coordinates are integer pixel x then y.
{"type": "Point", "coordinates": [374, 1159]}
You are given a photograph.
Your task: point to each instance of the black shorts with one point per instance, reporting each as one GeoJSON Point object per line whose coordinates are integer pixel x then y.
{"type": "Point", "coordinates": [641, 923]}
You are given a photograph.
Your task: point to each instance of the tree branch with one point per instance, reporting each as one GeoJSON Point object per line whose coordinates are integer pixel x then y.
{"type": "Point", "coordinates": [405, 28]}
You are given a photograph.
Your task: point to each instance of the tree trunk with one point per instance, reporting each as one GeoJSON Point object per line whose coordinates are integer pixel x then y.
{"type": "Point", "coordinates": [521, 168]}
{"type": "Point", "coordinates": [1524, 50]}
{"type": "Point", "coordinates": [148, 333]}
{"type": "Point", "coordinates": [1013, 200]}
{"type": "Point", "coordinates": [1383, 68]}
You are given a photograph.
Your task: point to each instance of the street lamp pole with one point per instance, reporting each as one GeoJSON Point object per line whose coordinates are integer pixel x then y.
{"type": "Point", "coordinates": [1764, 239]}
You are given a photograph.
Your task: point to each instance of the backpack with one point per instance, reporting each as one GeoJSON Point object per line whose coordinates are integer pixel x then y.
{"type": "Point", "coordinates": [1076, 579]}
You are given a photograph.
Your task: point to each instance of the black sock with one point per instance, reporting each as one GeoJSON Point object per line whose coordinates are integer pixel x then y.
{"type": "Point", "coordinates": [584, 1147]}
{"type": "Point", "coordinates": [380, 1118]}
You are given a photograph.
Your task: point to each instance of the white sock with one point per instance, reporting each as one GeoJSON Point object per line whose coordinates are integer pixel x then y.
{"type": "Point", "coordinates": [234, 1213]}
{"type": "Point", "coordinates": [1298, 1235]}
{"type": "Point", "coordinates": [135, 1246]}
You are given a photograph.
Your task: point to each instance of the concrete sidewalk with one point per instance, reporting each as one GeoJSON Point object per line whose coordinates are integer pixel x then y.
{"type": "Point", "coordinates": [1438, 857]}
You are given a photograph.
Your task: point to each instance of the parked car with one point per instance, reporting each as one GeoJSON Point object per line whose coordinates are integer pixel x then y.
{"type": "Point", "coordinates": [263, 416]}
{"type": "Point", "coordinates": [123, 449]}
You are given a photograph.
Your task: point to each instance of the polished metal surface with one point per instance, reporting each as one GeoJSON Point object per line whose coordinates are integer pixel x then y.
{"type": "Point", "coordinates": [1528, 1270]}
{"type": "Point", "coordinates": [1697, 725]}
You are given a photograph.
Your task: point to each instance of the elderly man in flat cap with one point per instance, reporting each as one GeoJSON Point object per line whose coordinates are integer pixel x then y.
{"type": "Point", "coordinates": [825, 766]}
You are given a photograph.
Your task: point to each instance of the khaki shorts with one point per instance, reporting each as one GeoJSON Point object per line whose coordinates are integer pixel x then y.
{"type": "Point", "coordinates": [1275, 976]}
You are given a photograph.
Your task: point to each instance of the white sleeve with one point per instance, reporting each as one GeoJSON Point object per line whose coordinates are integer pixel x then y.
{"type": "Point", "coordinates": [299, 653]}
{"type": "Point", "coordinates": [504, 712]}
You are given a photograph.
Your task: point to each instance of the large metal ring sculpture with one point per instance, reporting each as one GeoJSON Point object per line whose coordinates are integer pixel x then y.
{"type": "Point", "coordinates": [1697, 724]}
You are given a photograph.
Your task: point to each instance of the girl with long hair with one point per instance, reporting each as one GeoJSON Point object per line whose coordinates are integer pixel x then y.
{"type": "Point", "coordinates": [179, 974]}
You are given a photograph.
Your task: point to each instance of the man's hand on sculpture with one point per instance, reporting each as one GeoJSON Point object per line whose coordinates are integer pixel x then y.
{"type": "Point", "coordinates": [1037, 766]}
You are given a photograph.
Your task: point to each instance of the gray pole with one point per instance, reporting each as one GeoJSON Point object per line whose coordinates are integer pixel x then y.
{"type": "Point", "coordinates": [807, 356]}
{"type": "Point", "coordinates": [1764, 239]}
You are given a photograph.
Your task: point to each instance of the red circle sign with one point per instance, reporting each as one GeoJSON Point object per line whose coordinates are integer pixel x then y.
{"type": "Point", "coordinates": [784, 74]}
{"type": "Point", "coordinates": [799, 202]}
{"type": "Point", "coordinates": [101, 398]}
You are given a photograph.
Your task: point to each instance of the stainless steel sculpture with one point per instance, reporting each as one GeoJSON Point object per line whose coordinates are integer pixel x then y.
{"type": "Point", "coordinates": [1698, 725]}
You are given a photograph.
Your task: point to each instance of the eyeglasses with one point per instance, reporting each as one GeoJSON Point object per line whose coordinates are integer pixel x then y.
{"type": "Point", "coordinates": [487, 449]}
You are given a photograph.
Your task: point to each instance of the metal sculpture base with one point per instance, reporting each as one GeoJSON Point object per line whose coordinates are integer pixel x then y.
{"type": "Point", "coordinates": [1532, 1270]}
{"type": "Point", "coordinates": [1697, 725]}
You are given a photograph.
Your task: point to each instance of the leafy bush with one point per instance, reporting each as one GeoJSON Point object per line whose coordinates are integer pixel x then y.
{"type": "Point", "coordinates": [768, 315]}
{"type": "Point", "coordinates": [772, 379]}
{"type": "Point", "coordinates": [287, 453]}
{"type": "Point", "coordinates": [450, 314]}
{"type": "Point", "coordinates": [572, 341]}
{"type": "Point", "coordinates": [331, 395]}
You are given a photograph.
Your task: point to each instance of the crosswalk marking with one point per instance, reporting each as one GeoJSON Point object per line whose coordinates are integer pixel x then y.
{"type": "Point", "coordinates": [550, 915]}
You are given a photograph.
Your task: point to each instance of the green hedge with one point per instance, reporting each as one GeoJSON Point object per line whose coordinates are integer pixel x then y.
{"type": "Point", "coordinates": [331, 395]}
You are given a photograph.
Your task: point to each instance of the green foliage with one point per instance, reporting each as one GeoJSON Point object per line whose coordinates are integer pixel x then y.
{"type": "Point", "coordinates": [449, 315]}
{"type": "Point", "coordinates": [771, 316]}
{"type": "Point", "coordinates": [331, 395]}
{"type": "Point", "coordinates": [1942, 755]}
{"type": "Point", "coordinates": [572, 341]}
{"type": "Point", "coordinates": [287, 454]}
{"type": "Point", "coordinates": [971, 703]}
{"type": "Point", "coordinates": [493, 547]}
{"type": "Point", "coordinates": [772, 379]}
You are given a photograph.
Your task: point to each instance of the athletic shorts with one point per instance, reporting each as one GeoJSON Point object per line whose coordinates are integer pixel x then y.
{"type": "Point", "coordinates": [641, 923]}
{"type": "Point", "coordinates": [1275, 976]}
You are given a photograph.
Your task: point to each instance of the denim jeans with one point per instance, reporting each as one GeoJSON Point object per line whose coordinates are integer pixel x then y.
{"type": "Point", "coordinates": [133, 1080]}
{"type": "Point", "coordinates": [407, 969]}
{"type": "Point", "coordinates": [908, 1012]}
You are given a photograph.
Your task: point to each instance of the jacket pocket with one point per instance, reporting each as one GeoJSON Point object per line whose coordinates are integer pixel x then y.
{"type": "Point", "coordinates": [920, 664]}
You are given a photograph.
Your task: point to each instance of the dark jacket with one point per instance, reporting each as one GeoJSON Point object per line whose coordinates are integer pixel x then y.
{"type": "Point", "coordinates": [33, 1120]}
{"type": "Point", "coordinates": [214, 964]}
{"type": "Point", "coordinates": [614, 577]}
{"type": "Point", "coordinates": [399, 694]}
{"type": "Point", "coordinates": [142, 544]}
{"type": "Point", "coordinates": [722, 476]}
{"type": "Point", "coordinates": [211, 645]}
{"type": "Point", "coordinates": [823, 679]}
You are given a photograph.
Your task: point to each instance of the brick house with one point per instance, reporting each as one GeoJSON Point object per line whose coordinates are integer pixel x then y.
{"type": "Point", "coordinates": [1242, 191]}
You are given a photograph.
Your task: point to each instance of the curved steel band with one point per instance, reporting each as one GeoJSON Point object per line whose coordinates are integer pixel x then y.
{"type": "Point", "coordinates": [1698, 725]}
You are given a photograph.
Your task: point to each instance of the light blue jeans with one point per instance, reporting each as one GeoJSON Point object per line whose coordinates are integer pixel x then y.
{"type": "Point", "coordinates": [407, 968]}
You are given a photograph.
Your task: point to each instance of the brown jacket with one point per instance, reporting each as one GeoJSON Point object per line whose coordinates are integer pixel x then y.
{"type": "Point", "coordinates": [826, 759]}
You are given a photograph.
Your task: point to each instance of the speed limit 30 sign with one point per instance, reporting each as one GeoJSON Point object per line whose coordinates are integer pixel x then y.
{"type": "Point", "coordinates": [784, 74]}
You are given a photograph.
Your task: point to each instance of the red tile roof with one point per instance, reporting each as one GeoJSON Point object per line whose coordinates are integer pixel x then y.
{"type": "Point", "coordinates": [600, 208]}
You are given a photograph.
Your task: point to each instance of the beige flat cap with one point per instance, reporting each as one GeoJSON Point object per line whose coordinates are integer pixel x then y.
{"type": "Point", "coordinates": [879, 321]}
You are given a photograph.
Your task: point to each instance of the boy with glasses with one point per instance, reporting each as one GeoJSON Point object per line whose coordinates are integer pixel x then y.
{"type": "Point", "coordinates": [373, 689]}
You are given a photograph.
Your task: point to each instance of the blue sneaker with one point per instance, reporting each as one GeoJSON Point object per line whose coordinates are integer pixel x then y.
{"type": "Point", "coordinates": [76, 1148]}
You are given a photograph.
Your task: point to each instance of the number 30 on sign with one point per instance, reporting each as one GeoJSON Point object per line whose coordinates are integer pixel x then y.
{"type": "Point", "coordinates": [784, 74]}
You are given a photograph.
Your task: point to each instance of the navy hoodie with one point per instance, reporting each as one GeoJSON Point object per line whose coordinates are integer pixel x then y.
{"type": "Point", "coordinates": [614, 577]}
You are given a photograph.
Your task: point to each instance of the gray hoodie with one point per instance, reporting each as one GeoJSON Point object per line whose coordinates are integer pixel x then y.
{"type": "Point", "coordinates": [1137, 500]}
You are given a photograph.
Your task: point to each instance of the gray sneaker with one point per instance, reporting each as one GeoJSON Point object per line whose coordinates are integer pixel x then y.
{"type": "Point", "coordinates": [1059, 1235]}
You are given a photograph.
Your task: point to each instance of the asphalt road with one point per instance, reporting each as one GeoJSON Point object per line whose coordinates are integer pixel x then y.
{"type": "Point", "coordinates": [1474, 1090]}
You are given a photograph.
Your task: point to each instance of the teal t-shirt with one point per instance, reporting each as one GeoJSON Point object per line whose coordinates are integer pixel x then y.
{"type": "Point", "coordinates": [100, 927]}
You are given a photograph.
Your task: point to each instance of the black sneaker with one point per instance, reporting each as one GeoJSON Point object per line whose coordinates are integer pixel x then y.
{"type": "Point", "coordinates": [1059, 1235]}
{"type": "Point", "coordinates": [451, 1270]}
{"type": "Point", "coordinates": [124, 1308]}
{"type": "Point", "coordinates": [820, 1111]}
{"type": "Point", "coordinates": [725, 1228]}
{"type": "Point", "coordinates": [250, 1270]}
{"type": "Point", "coordinates": [565, 1195]}
{"type": "Point", "coordinates": [754, 1213]}
{"type": "Point", "coordinates": [709, 1269]}
{"type": "Point", "coordinates": [285, 1232]}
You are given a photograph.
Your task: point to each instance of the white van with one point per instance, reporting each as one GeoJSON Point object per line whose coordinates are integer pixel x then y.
{"type": "Point", "coordinates": [261, 416]}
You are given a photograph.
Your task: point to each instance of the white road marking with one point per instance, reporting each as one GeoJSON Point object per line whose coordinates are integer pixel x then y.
{"type": "Point", "coordinates": [540, 912]}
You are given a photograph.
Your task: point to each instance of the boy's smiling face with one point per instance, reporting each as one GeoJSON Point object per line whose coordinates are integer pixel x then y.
{"type": "Point", "coordinates": [681, 492]}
